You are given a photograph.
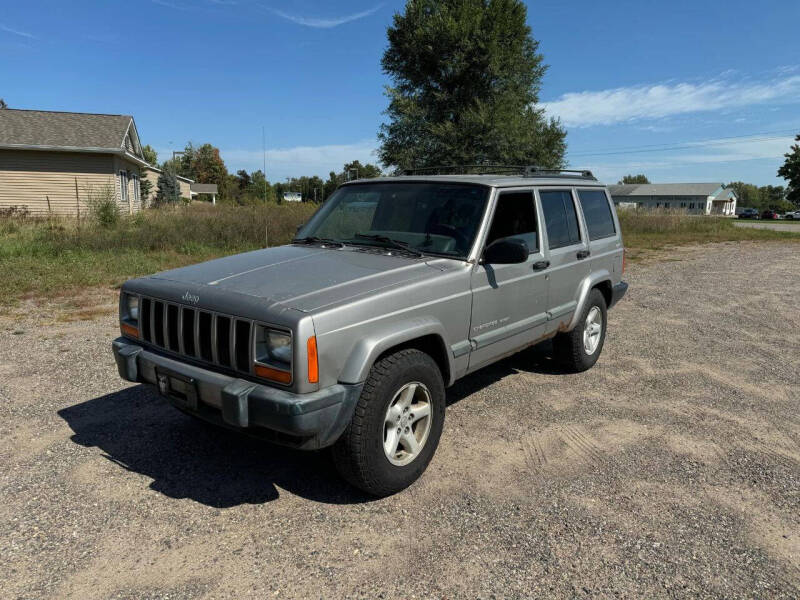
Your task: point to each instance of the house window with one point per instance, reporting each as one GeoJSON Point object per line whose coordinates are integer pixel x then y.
{"type": "Point", "coordinates": [123, 186]}
{"type": "Point", "coordinates": [683, 204]}
{"type": "Point", "coordinates": [691, 204]}
{"type": "Point", "coordinates": [666, 204]}
{"type": "Point", "coordinates": [136, 191]}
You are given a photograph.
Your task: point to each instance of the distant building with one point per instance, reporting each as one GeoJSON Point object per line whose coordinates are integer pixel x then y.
{"type": "Point", "coordinates": [292, 197]}
{"type": "Point", "coordinates": [54, 162]}
{"type": "Point", "coordinates": [184, 184]}
{"type": "Point", "coordinates": [697, 198]}
{"type": "Point", "coordinates": [209, 189]}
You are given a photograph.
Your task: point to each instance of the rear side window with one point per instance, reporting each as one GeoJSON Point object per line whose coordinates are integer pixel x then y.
{"type": "Point", "coordinates": [560, 218]}
{"type": "Point", "coordinates": [597, 213]}
{"type": "Point", "coordinates": [515, 217]}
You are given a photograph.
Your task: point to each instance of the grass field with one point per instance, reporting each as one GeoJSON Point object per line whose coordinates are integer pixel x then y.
{"type": "Point", "coordinates": [57, 256]}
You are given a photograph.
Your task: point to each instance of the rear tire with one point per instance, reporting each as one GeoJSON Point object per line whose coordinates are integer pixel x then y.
{"type": "Point", "coordinates": [386, 447]}
{"type": "Point", "coordinates": [579, 349]}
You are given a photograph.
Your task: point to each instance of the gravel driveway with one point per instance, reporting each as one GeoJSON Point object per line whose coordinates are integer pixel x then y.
{"type": "Point", "coordinates": [671, 469]}
{"type": "Point", "coordinates": [774, 225]}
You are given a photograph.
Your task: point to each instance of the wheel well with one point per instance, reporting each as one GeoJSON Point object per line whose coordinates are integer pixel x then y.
{"type": "Point", "coordinates": [432, 345]}
{"type": "Point", "coordinates": [605, 289]}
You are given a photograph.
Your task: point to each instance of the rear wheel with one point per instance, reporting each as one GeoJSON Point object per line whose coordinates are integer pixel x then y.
{"type": "Point", "coordinates": [579, 349]}
{"type": "Point", "coordinates": [396, 425]}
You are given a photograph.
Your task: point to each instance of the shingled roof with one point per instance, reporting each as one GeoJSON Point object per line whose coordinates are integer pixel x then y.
{"type": "Point", "coordinates": [75, 132]}
{"type": "Point", "coordinates": [665, 189]}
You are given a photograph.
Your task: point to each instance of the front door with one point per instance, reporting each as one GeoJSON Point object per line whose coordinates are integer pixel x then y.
{"type": "Point", "coordinates": [567, 252]}
{"type": "Point", "coordinates": [509, 302]}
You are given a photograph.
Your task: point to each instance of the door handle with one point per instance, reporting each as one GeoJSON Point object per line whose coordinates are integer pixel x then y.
{"type": "Point", "coordinates": [540, 265]}
{"type": "Point", "coordinates": [583, 254]}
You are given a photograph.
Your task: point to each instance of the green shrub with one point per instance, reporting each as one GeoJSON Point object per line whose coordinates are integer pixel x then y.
{"type": "Point", "coordinates": [103, 207]}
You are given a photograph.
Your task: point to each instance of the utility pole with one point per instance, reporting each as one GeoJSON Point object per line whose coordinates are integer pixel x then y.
{"type": "Point", "coordinates": [264, 150]}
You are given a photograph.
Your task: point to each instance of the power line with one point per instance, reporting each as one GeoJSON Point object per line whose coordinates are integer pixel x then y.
{"type": "Point", "coordinates": [726, 141]}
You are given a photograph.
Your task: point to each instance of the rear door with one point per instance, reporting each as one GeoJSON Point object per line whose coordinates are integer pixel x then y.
{"type": "Point", "coordinates": [509, 302]}
{"type": "Point", "coordinates": [567, 252]}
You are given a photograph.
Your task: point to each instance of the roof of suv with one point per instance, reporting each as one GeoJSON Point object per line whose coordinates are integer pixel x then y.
{"type": "Point", "coordinates": [488, 180]}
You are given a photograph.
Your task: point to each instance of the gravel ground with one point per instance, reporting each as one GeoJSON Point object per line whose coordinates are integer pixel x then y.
{"type": "Point", "coordinates": [671, 469]}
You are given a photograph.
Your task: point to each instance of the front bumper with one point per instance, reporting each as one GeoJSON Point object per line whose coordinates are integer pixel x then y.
{"type": "Point", "coordinates": [617, 292]}
{"type": "Point", "coordinates": [306, 421]}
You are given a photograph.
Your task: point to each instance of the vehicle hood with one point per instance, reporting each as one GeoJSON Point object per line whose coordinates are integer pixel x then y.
{"type": "Point", "coordinates": [304, 278]}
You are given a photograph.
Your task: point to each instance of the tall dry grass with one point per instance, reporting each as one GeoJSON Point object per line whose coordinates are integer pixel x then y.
{"type": "Point", "coordinates": [44, 256]}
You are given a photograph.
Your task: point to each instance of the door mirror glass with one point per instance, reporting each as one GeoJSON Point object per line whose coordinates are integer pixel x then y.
{"type": "Point", "coordinates": [506, 251]}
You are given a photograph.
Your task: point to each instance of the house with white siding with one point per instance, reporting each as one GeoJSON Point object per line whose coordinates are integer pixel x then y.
{"type": "Point", "coordinates": [54, 162]}
{"type": "Point", "coordinates": [697, 198]}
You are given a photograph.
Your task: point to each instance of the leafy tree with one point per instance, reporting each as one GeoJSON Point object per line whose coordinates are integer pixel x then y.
{"type": "Point", "coordinates": [790, 171]}
{"type": "Point", "coordinates": [207, 165]}
{"type": "Point", "coordinates": [150, 155]}
{"type": "Point", "coordinates": [169, 190]}
{"type": "Point", "coordinates": [746, 193]}
{"type": "Point", "coordinates": [355, 170]}
{"type": "Point", "coordinates": [3, 104]}
{"type": "Point", "coordinates": [634, 179]}
{"type": "Point", "coordinates": [466, 78]}
{"type": "Point", "coordinates": [244, 179]}
{"type": "Point", "coordinates": [145, 185]}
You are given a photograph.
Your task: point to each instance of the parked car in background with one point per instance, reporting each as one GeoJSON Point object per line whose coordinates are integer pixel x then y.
{"type": "Point", "coordinates": [748, 213]}
{"type": "Point", "coordinates": [792, 215]}
{"type": "Point", "coordinates": [770, 214]}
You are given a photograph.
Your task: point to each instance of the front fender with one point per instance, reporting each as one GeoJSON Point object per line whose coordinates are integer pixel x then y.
{"type": "Point", "coordinates": [368, 349]}
{"type": "Point", "coordinates": [586, 286]}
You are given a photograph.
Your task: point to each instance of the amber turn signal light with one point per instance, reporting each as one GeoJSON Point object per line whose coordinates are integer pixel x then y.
{"type": "Point", "coordinates": [129, 330]}
{"type": "Point", "coordinates": [313, 361]}
{"type": "Point", "coordinates": [273, 374]}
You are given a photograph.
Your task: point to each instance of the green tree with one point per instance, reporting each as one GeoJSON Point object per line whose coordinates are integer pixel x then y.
{"type": "Point", "coordinates": [466, 78]}
{"type": "Point", "coordinates": [747, 194]}
{"type": "Point", "coordinates": [244, 179]}
{"type": "Point", "coordinates": [207, 165]}
{"type": "Point", "coordinates": [149, 154]}
{"type": "Point", "coordinates": [790, 171]}
{"type": "Point", "coordinates": [355, 169]}
{"type": "Point", "coordinates": [145, 185]}
{"type": "Point", "coordinates": [634, 179]}
{"type": "Point", "coordinates": [169, 191]}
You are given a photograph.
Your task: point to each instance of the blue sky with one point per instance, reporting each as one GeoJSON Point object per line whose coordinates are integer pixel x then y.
{"type": "Point", "coordinates": [680, 90]}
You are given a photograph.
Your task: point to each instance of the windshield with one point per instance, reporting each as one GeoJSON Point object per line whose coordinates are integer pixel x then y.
{"type": "Point", "coordinates": [432, 218]}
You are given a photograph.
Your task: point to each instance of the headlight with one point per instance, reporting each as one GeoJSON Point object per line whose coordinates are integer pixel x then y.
{"type": "Point", "coordinates": [274, 351]}
{"type": "Point", "coordinates": [129, 315]}
{"type": "Point", "coordinates": [131, 304]}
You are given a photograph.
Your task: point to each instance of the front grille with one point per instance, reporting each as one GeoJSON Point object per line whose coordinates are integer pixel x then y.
{"type": "Point", "coordinates": [206, 336]}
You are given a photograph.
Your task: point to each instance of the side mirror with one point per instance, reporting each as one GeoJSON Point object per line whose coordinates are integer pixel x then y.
{"type": "Point", "coordinates": [506, 251]}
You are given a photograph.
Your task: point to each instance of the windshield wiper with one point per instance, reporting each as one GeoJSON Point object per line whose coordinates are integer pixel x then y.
{"type": "Point", "coordinates": [318, 240]}
{"type": "Point", "coordinates": [389, 242]}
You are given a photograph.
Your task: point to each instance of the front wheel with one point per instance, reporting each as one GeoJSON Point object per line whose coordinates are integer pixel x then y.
{"type": "Point", "coordinates": [396, 426]}
{"type": "Point", "coordinates": [579, 349]}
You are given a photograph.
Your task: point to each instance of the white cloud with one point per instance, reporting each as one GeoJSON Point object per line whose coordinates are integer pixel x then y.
{"type": "Point", "coordinates": [710, 158]}
{"type": "Point", "coordinates": [18, 32]}
{"type": "Point", "coordinates": [300, 160]}
{"type": "Point", "coordinates": [606, 107]}
{"type": "Point", "coordinates": [170, 5]}
{"type": "Point", "coordinates": [320, 23]}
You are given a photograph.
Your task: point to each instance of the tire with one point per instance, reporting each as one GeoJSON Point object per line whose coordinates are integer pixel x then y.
{"type": "Point", "coordinates": [360, 455]}
{"type": "Point", "coordinates": [570, 348]}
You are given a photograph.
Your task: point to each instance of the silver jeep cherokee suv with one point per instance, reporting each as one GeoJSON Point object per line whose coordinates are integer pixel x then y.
{"type": "Point", "coordinates": [395, 288]}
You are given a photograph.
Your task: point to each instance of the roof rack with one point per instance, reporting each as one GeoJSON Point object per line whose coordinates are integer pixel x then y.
{"type": "Point", "coordinates": [521, 170]}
